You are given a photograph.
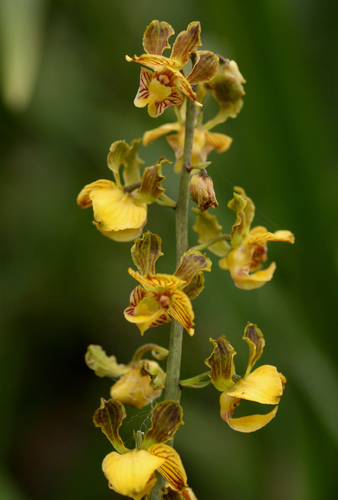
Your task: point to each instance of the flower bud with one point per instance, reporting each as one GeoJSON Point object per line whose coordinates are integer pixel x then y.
{"type": "Point", "coordinates": [202, 192]}
{"type": "Point", "coordinates": [227, 87]}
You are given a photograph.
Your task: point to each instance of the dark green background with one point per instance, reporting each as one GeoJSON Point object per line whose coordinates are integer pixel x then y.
{"type": "Point", "coordinates": [67, 94]}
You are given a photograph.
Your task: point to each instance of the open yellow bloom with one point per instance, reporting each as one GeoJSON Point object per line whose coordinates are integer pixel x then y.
{"type": "Point", "coordinates": [117, 213]}
{"type": "Point", "coordinates": [163, 295]}
{"type": "Point", "coordinates": [163, 85]}
{"type": "Point", "coordinates": [249, 247]}
{"type": "Point", "coordinates": [159, 297]}
{"type": "Point", "coordinates": [120, 212]}
{"type": "Point", "coordinates": [264, 385]}
{"type": "Point", "coordinates": [132, 472]}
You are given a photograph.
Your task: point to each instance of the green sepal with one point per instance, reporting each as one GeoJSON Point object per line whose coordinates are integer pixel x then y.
{"type": "Point", "coordinates": [207, 228]}
{"type": "Point", "coordinates": [255, 340]}
{"type": "Point", "coordinates": [103, 365]}
{"type": "Point", "coordinates": [165, 201]}
{"type": "Point", "coordinates": [197, 382]}
{"type": "Point", "coordinates": [221, 364]}
{"type": "Point", "coordinates": [244, 209]}
{"type": "Point", "coordinates": [109, 417]}
{"type": "Point", "coordinates": [166, 418]}
{"type": "Point", "coordinates": [192, 262]}
{"type": "Point", "coordinates": [201, 166]}
{"type": "Point", "coordinates": [152, 178]}
{"type": "Point", "coordinates": [132, 164]}
{"type": "Point", "coordinates": [158, 376]}
{"type": "Point", "coordinates": [145, 252]}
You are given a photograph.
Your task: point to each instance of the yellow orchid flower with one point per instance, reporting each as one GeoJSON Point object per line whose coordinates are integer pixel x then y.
{"type": "Point", "coordinates": [264, 385]}
{"type": "Point", "coordinates": [204, 141]}
{"type": "Point", "coordinates": [140, 382]}
{"type": "Point", "coordinates": [249, 247]}
{"type": "Point", "coordinates": [120, 212]}
{"type": "Point", "coordinates": [132, 472]}
{"type": "Point", "coordinates": [163, 295]}
{"type": "Point", "coordinates": [162, 85]}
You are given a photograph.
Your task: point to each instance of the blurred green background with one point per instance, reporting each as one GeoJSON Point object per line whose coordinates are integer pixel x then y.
{"type": "Point", "coordinates": [66, 94]}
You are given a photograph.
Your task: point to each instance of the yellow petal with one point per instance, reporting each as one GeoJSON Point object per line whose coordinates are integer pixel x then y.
{"type": "Point", "coordinates": [131, 474]}
{"type": "Point", "coordinates": [253, 422]}
{"type": "Point", "coordinates": [151, 135]}
{"type": "Point", "coordinates": [116, 210]}
{"type": "Point", "coordinates": [124, 235]}
{"type": "Point", "coordinates": [260, 234]}
{"type": "Point", "coordinates": [220, 142]}
{"type": "Point", "coordinates": [84, 199]}
{"type": "Point", "coordinates": [145, 313]}
{"type": "Point", "coordinates": [181, 310]}
{"type": "Point", "coordinates": [150, 282]}
{"type": "Point", "coordinates": [264, 385]}
{"type": "Point", "coordinates": [242, 424]}
{"type": "Point", "coordinates": [171, 468]}
{"type": "Point", "coordinates": [238, 263]}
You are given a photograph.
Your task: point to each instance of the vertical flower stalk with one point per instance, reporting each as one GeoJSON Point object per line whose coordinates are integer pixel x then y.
{"type": "Point", "coordinates": [172, 390]}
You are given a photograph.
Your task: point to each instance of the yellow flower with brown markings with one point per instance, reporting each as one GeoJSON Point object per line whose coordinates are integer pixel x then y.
{"type": "Point", "coordinates": [132, 472]}
{"type": "Point", "coordinates": [264, 385]}
{"type": "Point", "coordinates": [249, 247]}
{"type": "Point", "coordinates": [164, 85]}
{"type": "Point", "coordinates": [120, 212]}
{"type": "Point", "coordinates": [160, 296]}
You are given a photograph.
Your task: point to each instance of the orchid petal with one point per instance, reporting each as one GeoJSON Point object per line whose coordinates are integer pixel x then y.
{"type": "Point", "coordinates": [205, 67]}
{"type": "Point", "coordinates": [181, 310]}
{"type": "Point", "coordinates": [171, 468]}
{"type": "Point", "coordinates": [264, 385]}
{"type": "Point", "coordinates": [131, 474]}
{"type": "Point", "coordinates": [156, 36]}
{"type": "Point", "coordinates": [186, 42]}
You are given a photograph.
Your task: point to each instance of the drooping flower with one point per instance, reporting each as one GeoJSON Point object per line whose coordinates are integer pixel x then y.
{"type": "Point", "coordinates": [120, 212]}
{"type": "Point", "coordinates": [249, 247]}
{"type": "Point", "coordinates": [140, 382]}
{"type": "Point", "coordinates": [164, 84]}
{"type": "Point", "coordinates": [132, 472]}
{"type": "Point", "coordinates": [245, 257]}
{"type": "Point", "coordinates": [264, 385]}
{"type": "Point", "coordinates": [160, 296]}
{"type": "Point", "coordinates": [204, 141]}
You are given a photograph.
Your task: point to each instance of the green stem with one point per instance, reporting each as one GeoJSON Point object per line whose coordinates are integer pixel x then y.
{"type": "Point", "coordinates": [172, 390]}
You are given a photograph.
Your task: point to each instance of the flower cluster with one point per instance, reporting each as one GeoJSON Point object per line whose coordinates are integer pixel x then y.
{"type": "Point", "coordinates": [120, 210]}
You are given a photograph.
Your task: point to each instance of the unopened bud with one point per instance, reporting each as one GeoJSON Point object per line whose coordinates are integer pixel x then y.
{"type": "Point", "coordinates": [202, 192]}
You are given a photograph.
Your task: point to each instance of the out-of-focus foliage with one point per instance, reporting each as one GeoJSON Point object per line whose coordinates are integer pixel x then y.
{"type": "Point", "coordinates": [67, 94]}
